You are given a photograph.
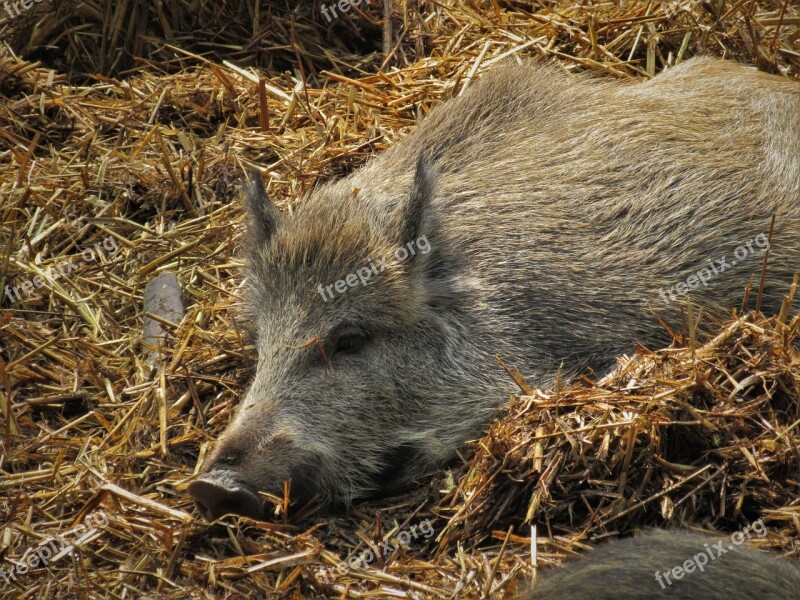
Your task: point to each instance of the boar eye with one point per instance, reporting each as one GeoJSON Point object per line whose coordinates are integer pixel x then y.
{"type": "Point", "coordinates": [349, 343]}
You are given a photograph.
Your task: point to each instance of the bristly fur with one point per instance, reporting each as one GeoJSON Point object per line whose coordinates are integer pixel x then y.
{"type": "Point", "coordinates": [627, 570]}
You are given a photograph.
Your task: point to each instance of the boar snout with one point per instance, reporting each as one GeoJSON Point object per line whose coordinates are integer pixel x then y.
{"type": "Point", "coordinates": [244, 463]}
{"type": "Point", "coordinates": [218, 494]}
{"type": "Point", "coordinates": [222, 487]}
{"type": "Point", "coordinates": [224, 484]}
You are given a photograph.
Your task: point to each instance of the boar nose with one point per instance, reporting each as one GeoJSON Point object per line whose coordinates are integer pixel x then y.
{"type": "Point", "coordinates": [218, 494]}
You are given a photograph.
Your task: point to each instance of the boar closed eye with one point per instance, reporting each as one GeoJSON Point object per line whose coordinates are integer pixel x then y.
{"type": "Point", "coordinates": [349, 343]}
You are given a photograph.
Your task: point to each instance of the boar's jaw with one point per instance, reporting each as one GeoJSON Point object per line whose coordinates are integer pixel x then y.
{"type": "Point", "coordinates": [217, 493]}
{"type": "Point", "coordinates": [392, 478]}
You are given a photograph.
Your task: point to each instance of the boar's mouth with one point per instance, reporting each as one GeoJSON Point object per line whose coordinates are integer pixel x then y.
{"type": "Point", "coordinates": [221, 491]}
{"type": "Point", "coordinates": [217, 494]}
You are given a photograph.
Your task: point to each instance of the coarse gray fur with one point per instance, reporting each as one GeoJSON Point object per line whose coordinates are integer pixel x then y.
{"type": "Point", "coordinates": [644, 568]}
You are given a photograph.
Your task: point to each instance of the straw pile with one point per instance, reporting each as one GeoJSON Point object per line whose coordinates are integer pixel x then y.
{"type": "Point", "coordinates": [123, 125]}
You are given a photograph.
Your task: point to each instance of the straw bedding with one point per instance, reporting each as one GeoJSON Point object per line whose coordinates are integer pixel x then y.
{"type": "Point", "coordinates": [124, 129]}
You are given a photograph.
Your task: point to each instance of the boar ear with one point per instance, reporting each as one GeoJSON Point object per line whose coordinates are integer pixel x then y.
{"type": "Point", "coordinates": [413, 216]}
{"type": "Point", "coordinates": [263, 215]}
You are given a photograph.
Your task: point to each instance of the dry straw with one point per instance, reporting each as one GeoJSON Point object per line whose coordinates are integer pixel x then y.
{"type": "Point", "coordinates": [128, 119]}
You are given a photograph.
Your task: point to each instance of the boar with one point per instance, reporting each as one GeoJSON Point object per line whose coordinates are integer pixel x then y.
{"type": "Point", "coordinates": [539, 216]}
{"type": "Point", "coordinates": [672, 564]}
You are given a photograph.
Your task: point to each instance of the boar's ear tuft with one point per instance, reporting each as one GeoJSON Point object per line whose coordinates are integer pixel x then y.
{"type": "Point", "coordinates": [414, 212]}
{"type": "Point", "coordinates": [263, 213]}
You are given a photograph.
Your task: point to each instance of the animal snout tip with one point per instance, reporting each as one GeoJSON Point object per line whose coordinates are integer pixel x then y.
{"type": "Point", "coordinates": [215, 497]}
